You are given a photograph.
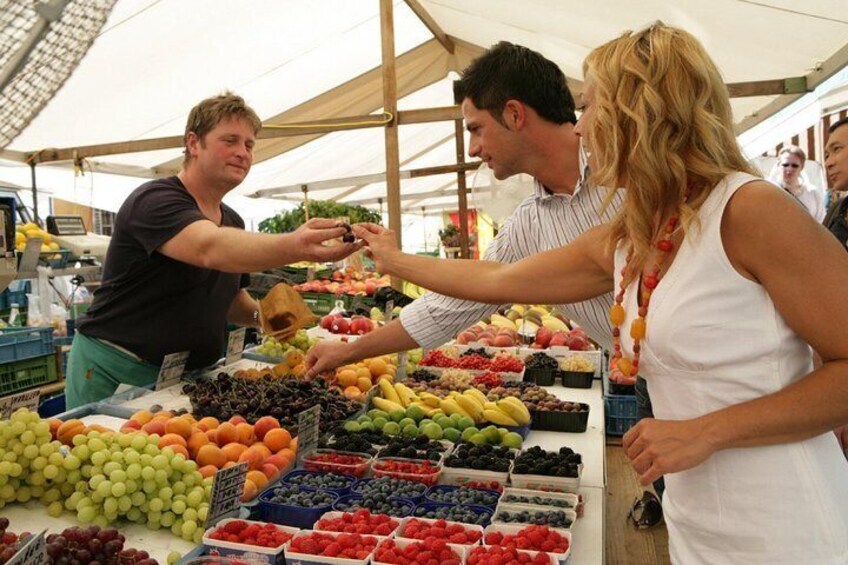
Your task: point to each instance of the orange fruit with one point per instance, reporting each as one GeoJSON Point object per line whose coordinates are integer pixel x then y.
{"type": "Point", "coordinates": [277, 439]}
{"type": "Point", "coordinates": [178, 426]}
{"type": "Point", "coordinates": [352, 393]}
{"type": "Point", "coordinates": [377, 367]}
{"type": "Point", "coordinates": [211, 454]}
{"type": "Point", "coordinates": [197, 440]}
{"type": "Point", "coordinates": [245, 434]}
{"type": "Point", "coordinates": [250, 491]}
{"type": "Point", "coordinates": [363, 384]}
{"type": "Point", "coordinates": [258, 478]}
{"type": "Point", "coordinates": [226, 433]}
{"type": "Point", "coordinates": [232, 451]}
{"type": "Point", "coordinates": [347, 378]}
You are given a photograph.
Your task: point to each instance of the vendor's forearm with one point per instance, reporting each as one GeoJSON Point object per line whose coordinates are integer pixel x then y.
{"type": "Point", "coordinates": [237, 251]}
{"type": "Point", "coordinates": [812, 406]}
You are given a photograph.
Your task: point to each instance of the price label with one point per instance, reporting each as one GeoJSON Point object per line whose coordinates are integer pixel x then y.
{"type": "Point", "coordinates": [27, 399]}
{"type": "Point", "coordinates": [172, 369]}
{"type": "Point", "coordinates": [307, 432]}
{"type": "Point", "coordinates": [401, 368]}
{"type": "Point", "coordinates": [227, 488]}
{"type": "Point", "coordinates": [235, 345]}
{"type": "Point", "coordinates": [32, 551]}
{"type": "Point", "coordinates": [390, 310]}
{"type": "Point", "coordinates": [310, 274]}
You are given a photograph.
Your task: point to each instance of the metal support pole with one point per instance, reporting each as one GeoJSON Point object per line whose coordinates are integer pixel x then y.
{"type": "Point", "coordinates": [34, 195]}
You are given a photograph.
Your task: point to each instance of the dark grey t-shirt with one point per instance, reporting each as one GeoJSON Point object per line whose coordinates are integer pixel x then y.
{"type": "Point", "coordinates": [153, 305]}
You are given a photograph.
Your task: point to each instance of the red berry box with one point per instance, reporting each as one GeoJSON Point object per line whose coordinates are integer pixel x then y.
{"type": "Point", "coordinates": [340, 462]}
{"type": "Point", "coordinates": [453, 532]}
{"type": "Point", "coordinates": [530, 538]}
{"type": "Point", "coordinates": [361, 522]}
{"type": "Point", "coordinates": [411, 552]}
{"type": "Point", "coordinates": [258, 540]}
{"type": "Point", "coordinates": [488, 554]}
{"type": "Point", "coordinates": [331, 548]}
{"type": "Point", "coordinates": [409, 469]}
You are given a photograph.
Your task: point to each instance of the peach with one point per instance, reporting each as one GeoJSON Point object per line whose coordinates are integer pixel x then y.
{"type": "Point", "coordinates": [178, 426]}
{"type": "Point", "coordinates": [207, 423]}
{"type": "Point", "coordinates": [253, 457]}
{"type": "Point", "coordinates": [237, 420]}
{"type": "Point", "coordinates": [212, 435]}
{"type": "Point", "coordinates": [163, 415]}
{"type": "Point", "coordinates": [210, 454]}
{"type": "Point", "coordinates": [229, 464]}
{"type": "Point", "coordinates": [196, 441]}
{"type": "Point", "coordinates": [177, 449]}
{"type": "Point", "coordinates": [250, 491]}
{"type": "Point", "coordinates": [226, 433]}
{"type": "Point", "coordinates": [154, 427]}
{"type": "Point", "coordinates": [66, 432]}
{"type": "Point", "coordinates": [132, 425]}
{"type": "Point", "coordinates": [281, 461]}
{"type": "Point", "coordinates": [208, 471]}
{"type": "Point", "coordinates": [264, 425]}
{"type": "Point", "coordinates": [232, 451]}
{"type": "Point", "coordinates": [258, 478]}
{"type": "Point", "coordinates": [277, 439]}
{"type": "Point", "coordinates": [245, 434]}
{"type": "Point", "coordinates": [263, 449]}
{"type": "Point", "coordinates": [270, 471]}
{"type": "Point", "coordinates": [142, 417]}
{"type": "Point", "coordinates": [171, 439]}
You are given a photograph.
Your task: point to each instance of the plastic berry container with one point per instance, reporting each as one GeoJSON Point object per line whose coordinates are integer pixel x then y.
{"type": "Point", "coordinates": [322, 460]}
{"type": "Point", "coordinates": [301, 477]}
{"type": "Point", "coordinates": [483, 514]}
{"type": "Point", "coordinates": [362, 484]}
{"type": "Point", "coordinates": [334, 515]}
{"type": "Point", "coordinates": [460, 550]}
{"type": "Point", "coordinates": [404, 506]}
{"type": "Point", "coordinates": [257, 554]}
{"type": "Point", "coordinates": [435, 493]}
{"type": "Point", "coordinates": [429, 478]}
{"type": "Point", "coordinates": [310, 559]}
{"type": "Point", "coordinates": [302, 517]}
{"type": "Point", "coordinates": [466, 527]}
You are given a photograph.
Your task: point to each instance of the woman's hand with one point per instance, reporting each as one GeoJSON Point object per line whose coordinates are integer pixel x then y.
{"type": "Point", "coordinates": [659, 447]}
{"type": "Point", "coordinates": [381, 245]}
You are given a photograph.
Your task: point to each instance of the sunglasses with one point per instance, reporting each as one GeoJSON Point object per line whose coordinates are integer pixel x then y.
{"type": "Point", "coordinates": [793, 165]}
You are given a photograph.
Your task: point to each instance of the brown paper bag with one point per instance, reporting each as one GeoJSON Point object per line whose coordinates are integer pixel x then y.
{"type": "Point", "coordinates": [282, 312]}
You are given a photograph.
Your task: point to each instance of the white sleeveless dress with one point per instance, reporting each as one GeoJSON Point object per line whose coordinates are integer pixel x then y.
{"type": "Point", "coordinates": [715, 339]}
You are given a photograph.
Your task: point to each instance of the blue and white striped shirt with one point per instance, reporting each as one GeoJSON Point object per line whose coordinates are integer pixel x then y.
{"type": "Point", "coordinates": [542, 222]}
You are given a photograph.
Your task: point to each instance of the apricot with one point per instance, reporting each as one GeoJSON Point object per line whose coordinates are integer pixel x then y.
{"type": "Point", "coordinates": [352, 393]}
{"type": "Point", "coordinates": [245, 434]}
{"type": "Point", "coordinates": [299, 370]}
{"type": "Point", "coordinates": [281, 461]}
{"type": "Point", "coordinates": [253, 457]}
{"type": "Point", "coordinates": [210, 454]}
{"type": "Point", "coordinates": [226, 433]}
{"type": "Point", "coordinates": [131, 425]}
{"type": "Point", "coordinates": [250, 491]}
{"type": "Point", "coordinates": [171, 439]}
{"type": "Point", "coordinates": [377, 367]}
{"type": "Point", "coordinates": [232, 451]}
{"type": "Point", "coordinates": [258, 478]}
{"type": "Point", "coordinates": [197, 440]}
{"type": "Point", "coordinates": [142, 416]}
{"type": "Point", "coordinates": [178, 426]}
{"type": "Point", "coordinates": [163, 415]}
{"type": "Point", "coordinates": [55, 423]}
{"type": "Point", "coordinates": [293, 445]}
{"type": "Point", "coordinates": [270, 471]}
{"type": "Point", "coordinates": [212, 435]}
{"type": "Point", "coordinates": [237, 420]}
{"type": "Point", "coordinates": [294, 357]}
{"type": "Point", "coordinates": [363, 384]}
{"type": "Point", "coordinates": [263, 425]}
{"type": "Point", "coordinates": [208, 423]}
{"type": "Point", "coordinates": [263, 449]}
{"type": "Point", "coordinates": [178, 449]}
{"type": "Point", "coordinates": [208, 471]}
{"type": "Point", "coordinates": [66, 432]}
{"type": "Point", "coordinates": [277, 439]}
{"type": "Point", "coordinates": [154, 427]}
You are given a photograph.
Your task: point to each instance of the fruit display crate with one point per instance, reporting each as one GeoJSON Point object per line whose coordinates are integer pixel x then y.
{"type": "Point", "coordinates": [293, 558]}
{"type": "Point", "coordinates": [622, 413]}
{"type": "Point", "coordinates": [461, 476]}
{"type": "Point", "coordinates": [401, 507]}
{"type": "Point", "coordinates": [16, 293]}
{"type": "Point", "coordinates": [428, 479]}
{"type": "Point", "coordinates": [257, 554]}
{"type": "Point", "coordinates": [335, 515]}
{"type": "Point", "coordinates": [321, 303]}
{"type": "Point", "coordinates": [515, 529]}
{"type": "Point", "coordinates": [556, 500]}
{"type": "Point", "coordinates": [506, 377]}
{"type": "Point", "coordinates": [435, 494]}
{"type": "Point", "coordinates": [17, 344]}
{"type": "Point", "coordinates": [544, 482]}
{"type": "Point", "coordinates": [429, 510]}
{"type": "Point", "coordinates": [561, 353]}
{"type": "Point", "coordinates": [362, 484]}
{"type": "Point", "coordinates": [551, 421]}
{"type": "Point", "coordinates": [21, 375]}
{"type": "Point", "coordinates": [296, 477]}
{"type": "Point", "coordinates": [570, 515]}
{"type": "Point", "coordinates": [290, 515]}
{"type": "Point", "coordinates": [57, 259]}
{"type": "Point", "coordinates": [541, 377]}
{"type": "Point", "coordinates": [402, 544]}
{"type": "Point", "coordinates": [467, 527]}
{"type": "Point", "coordinates": [576, 379]}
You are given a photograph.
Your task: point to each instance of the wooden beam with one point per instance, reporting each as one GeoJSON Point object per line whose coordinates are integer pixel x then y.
{"type": "Point", "coordinates": [462, 194]}
{"type": "Point", "coordinates": [176, 141]}
{"type": "Point", "coordinates": [427, 115]}
{"type": "Point", "coordinates": [443, 169]}
{"type": "Point", "coordinates": [431, 24]}
{"type": "Point", "coordinates": [387, 40]}
{"type": "Point", "coordinates": [777, 87]}
{"type": "Point", "coordinates": [415, 196]}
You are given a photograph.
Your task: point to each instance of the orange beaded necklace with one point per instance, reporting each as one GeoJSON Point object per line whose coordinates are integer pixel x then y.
{"type": "Point", "coordinates": [638, 327]}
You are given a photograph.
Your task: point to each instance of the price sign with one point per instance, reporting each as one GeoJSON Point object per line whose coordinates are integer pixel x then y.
{"type": "Point", "coordinates": [32, 551]}
{"type": "Point", "coordinates": [27, 399]}
{"type": "Point", "coordinates": [390, 310]}
{"type": "Point", "coordinates": [227, 488]}
{"type": "Point", "coordinates": [173, 366]}
{"type": "Point", "coordinates": [235, 345]}
{"type": "Point", "coordinates": [307, 432]}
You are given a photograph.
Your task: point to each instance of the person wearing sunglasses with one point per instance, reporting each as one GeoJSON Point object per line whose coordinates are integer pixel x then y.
{"type": "Point", "coordinates": [787, 174]}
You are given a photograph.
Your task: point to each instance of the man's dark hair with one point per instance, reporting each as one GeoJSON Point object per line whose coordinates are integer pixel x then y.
{"type": "Point", "coordinates": [507, 72]}
{"type": "Point", "coordinates": [837, 125]}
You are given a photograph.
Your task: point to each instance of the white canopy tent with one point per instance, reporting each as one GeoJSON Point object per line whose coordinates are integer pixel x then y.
{"type": "Point", "coordinates": [299, 61]}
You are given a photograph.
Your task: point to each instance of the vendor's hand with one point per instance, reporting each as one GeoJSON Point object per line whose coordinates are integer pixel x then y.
{"type": "Point", "coordinates": [325, 356]}
{"type": "Point", "coordinates": [658, 447]}
{"type": "Point", "coordinates": [308, 240]}
{"type": "Point", "coordinates": [381, 245]}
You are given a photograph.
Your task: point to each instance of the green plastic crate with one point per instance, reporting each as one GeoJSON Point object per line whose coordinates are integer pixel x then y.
{"type": "Point", "coordinates": [321, 303]}
{"type": "Point", "coordinates": [21, 375]}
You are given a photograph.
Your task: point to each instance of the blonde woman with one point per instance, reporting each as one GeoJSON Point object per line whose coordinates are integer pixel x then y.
{"type": "Point", "coordinates": [788, 175]}
{"type": "Point", "coordinates": [705, 261]}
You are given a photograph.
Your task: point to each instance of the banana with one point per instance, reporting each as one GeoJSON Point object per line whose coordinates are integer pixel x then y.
{"type": "Point", "coordinates": [518, 413]}
{"type": "Point", "coordinates": [386, 405]}
{"type": "Point", "coordinates": [430, 399]}
{"type": "Point", "coordinates": [428, 411]}
{"type": "Point", "coordinates": [499, 418]}
{"type": "Point", "coordinates": [450, 406]}
{"type": "Point", "coordinates": [519, 308]}
{"type": "Point", "coordinates": [502, 322]}
{"type": "Point", "coordinates": [554, 324]}
{"type": "Point", "coordinates": [389, 392]}
{"type": "Point", "coordinates": [539, 310]}
{"type": "Point", "coordinates": [490, 406]}
{"type": "Point", "coordinates": [476, 395]}
{"type": "Point", "coordinates": [406, 394]}
{"type": "Point", "coordinates": [474, 409]}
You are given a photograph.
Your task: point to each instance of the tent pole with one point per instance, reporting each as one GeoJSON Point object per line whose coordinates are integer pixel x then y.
{"type": "Point", "coordinates": [34, 194]}
{"type": "Point", "coordinates": [387, 37]}
{"type": "Point", "coordinates": [461, 191]}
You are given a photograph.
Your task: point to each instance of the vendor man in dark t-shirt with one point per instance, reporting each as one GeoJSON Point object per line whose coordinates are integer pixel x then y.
{"type": "Point", "coordinates": [176, 267]}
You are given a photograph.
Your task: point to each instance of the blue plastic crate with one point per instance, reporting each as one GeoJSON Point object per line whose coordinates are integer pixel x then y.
{"type": "Point", "coordinates": [434, 492]}
{"type": "Point", "coordinates": [483, 514]}
{"type": "Point", "coordinates": [52, 406]}
{"type": "Point", "coordinates": [301, 478]}
{"type": "Point", "coordinates": [16, 293]}
{"type": "Point", "coordinates": [402, 507]}
{"type": "Point", "coordinates": [287, 515]}
{"type": "Point", "coordinates": [362, 486]}
{"type": "Point", "coordinates": [17, 344]}
{"type": "Point", "coordinates": [622, 413]}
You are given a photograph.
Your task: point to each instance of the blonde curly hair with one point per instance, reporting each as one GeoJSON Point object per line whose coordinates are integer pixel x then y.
{"type": "Point", "coordinates": [661, 126]}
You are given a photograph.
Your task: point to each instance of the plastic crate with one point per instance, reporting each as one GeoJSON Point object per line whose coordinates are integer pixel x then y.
{"type": "Point", "coordinates": [52, 406]}
{"type": "Point", "coordinates": [622, 413]}
{"type": "Point", "coordinates": [321, 303]}
{"type": "Point", "coordinates": [17, 344]}
{"type": "Point", "coordinates": [482, 514]}
{"type": "Point", "coordinates": [401, 507]}
{"type": "Point", "coordinates": [577, 379]}
{"type": "Point", "coordinates": [435, 493]}
{"type": "Point", "coordinates": [304, 478]}
{"type": "Point", "coordinates": [289, 515]}
{"type": "Point", "coordinates": [572, 422]}
{"type": "Point", "coordinates": [16, 293]}
{"type": "Point", "coordinates": [362, 487]}
{"type": "Point", "coordinates": [28, 373]}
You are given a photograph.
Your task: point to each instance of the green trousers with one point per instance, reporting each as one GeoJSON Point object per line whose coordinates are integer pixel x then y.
{"type": "Point", "coordinates": [95, 370]}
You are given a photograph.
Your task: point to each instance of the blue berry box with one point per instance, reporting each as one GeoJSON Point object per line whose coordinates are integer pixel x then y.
{"type": "Point", "coordinates": [289, 515]}
{"type": "Point", "coordinates": [435, 493]}
{"type": "Point", "coordinates": [406, 506]}
{"type": "Point", "coordinates": [483, 515]}
{"type": "Point", "coordinates": [297, 477]}
{"type": "Point", "coordinates": [362, 484]}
